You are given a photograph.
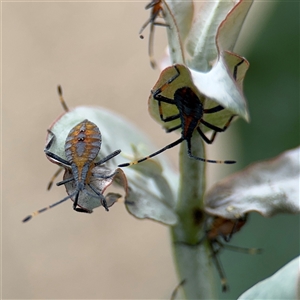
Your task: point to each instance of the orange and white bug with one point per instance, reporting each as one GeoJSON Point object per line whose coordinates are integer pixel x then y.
{"type": "Point", "coordinates": [82, 146]}
{"type": "Point", "coordinates": [156, 11]}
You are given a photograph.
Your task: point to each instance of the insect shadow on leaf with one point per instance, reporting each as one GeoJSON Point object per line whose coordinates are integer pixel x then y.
{"type": "Point", "coordinates": [217, 228]}
{"type": "Point", "coordinates": [190, 113]}
{"type": "Point", "coordinates": [82, 146]}
{"type": "Point", "coordinates": [156, 11]}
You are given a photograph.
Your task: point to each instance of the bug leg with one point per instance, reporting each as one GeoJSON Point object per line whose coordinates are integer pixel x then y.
{"type": "Point", "coordinates": [218, 265]}
{"type": "Point", "coordinates": [173, 128]}
{"type": "Point", "coordinates": [65, 181]}
{"type": "Point", "coordinates": [167, 119]}
{"type": "Point", "coordinates": [242, 249]}
{"type": "Point", "coordinates": [52, 155]}
{"type": "Point", "coordinates": [76, 201]}
{"type": "Point", "coordinates": [102, 198]}
{"type": "Point", "coordinates": [57, 158]}
{"type": "Point", "coordinates": [203, 159]}
{"type": "Point", "coordinates": [163, 87]}
{"type": "Point", "coordinates": [153, 154]}
{"type": "Point", "coordinates": [108, 157]}
{"type": "Point", "coordinates": [78, 208]}
{"type": "Point", "coordinates": [236, 68]}
{"type": "Point", "coordinates": [213, 109]}
{"type": "Point", "coordinates": [53, 177]}
{"type": "Point", "coordinates": [213, 127]}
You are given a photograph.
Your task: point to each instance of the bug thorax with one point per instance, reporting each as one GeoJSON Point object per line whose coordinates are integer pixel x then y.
{"type": "Point", "coordinates": [188, 103]}
{"type": "Point", "coordinates": [190, 109]}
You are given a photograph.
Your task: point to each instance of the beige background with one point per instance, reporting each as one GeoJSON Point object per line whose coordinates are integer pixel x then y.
{"type": "Point", "coordinates": [93, 51]}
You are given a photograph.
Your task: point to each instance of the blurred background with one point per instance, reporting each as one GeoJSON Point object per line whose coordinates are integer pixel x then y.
{"type": "Point", "coordinates": [93, 50]}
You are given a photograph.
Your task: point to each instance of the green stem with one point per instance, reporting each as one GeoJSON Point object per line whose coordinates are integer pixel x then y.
{"type": "Point", "coordinates": [193, 261]}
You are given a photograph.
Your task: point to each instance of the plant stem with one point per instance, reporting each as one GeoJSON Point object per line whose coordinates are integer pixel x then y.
{"type": "Point", "coordinates": [193, 261]}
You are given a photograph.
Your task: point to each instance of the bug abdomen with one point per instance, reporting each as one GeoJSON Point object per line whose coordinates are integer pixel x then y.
{"type": "Point", "coordinates": [82, 146]}
{"type": "Point", "coordinates": [190, 108]}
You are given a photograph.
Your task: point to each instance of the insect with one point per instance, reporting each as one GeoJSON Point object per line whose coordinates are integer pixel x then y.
{"type": "Point", "coordinates": [156, 11]}
{"type": "Point", "coordinates": [190, 113]}
{"type": "Point", "coordinates": [224, 228]}
{"type": "Point", "coordinates": [82, 146]}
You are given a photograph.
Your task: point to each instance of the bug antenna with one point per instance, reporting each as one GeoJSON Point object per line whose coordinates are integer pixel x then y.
{"type": "Point", "coordinates": [62, 100]}
{"type": "Point", "coordinates": [47, 208]}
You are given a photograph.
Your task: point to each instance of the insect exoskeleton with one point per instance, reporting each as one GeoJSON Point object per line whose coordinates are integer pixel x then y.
{"type": "Point", "coordinates": [188, 106]}
{"type": "Point", "coordinates": [85, 175]}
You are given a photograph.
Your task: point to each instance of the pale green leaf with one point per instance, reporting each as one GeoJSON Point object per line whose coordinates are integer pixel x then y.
{"type": "Point", "coordinates": [230, 28]}
{"type": "Point", "coordinates": [201, 42]}
{"type": "Point", "coordinates": [219, 85]}
{"type": "Point", "coordinates": [284, 284]}
{"type": "Point", "coordinates": [269, 187]}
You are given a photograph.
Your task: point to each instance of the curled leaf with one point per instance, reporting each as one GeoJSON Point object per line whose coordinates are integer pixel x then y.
{"type": "Point", "coordinates": [230, 28]}
{"type": "Point", "coordinates": [268, 187]}
{"type": "Point", "coordinates": [215, 29]}
{"type": "Point", "coordinates": [220, 86]}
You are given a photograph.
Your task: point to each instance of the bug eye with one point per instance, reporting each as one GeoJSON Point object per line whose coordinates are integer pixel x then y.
{"type": "Point", "coordinates": [81, 139]}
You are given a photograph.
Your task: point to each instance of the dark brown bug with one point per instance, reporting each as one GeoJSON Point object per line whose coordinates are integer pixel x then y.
{"type": "Point", "coordinates": [156, 11]}
{"type": "Point", "coordinates": [190, 113]}
{"type": "Point", "coordinates": [219, 227]}
{"type": "Point", "coordinates": [82, 146]}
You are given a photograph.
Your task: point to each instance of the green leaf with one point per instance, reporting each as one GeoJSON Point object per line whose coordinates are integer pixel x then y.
{"type": "Point", "coordinates": [284, 284]}
{"type": "Point", "coordinates": [269, 187]}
